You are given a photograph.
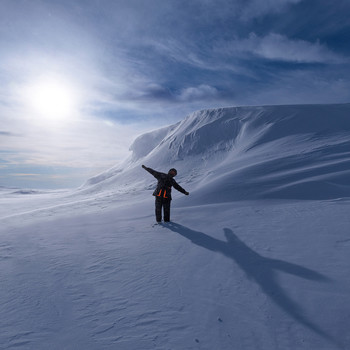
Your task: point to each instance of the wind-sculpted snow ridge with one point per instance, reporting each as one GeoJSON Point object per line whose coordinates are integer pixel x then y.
{"type": "Point", "coordinates": [227, 154]}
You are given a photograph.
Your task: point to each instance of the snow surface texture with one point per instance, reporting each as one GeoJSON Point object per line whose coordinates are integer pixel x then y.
{"type": "Point", "coordinates": [257, 257]}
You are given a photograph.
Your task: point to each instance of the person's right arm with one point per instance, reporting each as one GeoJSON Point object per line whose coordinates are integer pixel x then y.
{"type": "Point", "coordinates": [155, 173]}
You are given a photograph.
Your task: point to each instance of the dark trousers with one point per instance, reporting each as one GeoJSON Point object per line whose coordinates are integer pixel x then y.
{"type": "Point", "coordinates": [165, 204]}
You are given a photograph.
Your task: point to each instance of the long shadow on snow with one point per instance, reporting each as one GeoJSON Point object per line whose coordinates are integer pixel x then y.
{"type": "Point", "coordinates": [260, 269]}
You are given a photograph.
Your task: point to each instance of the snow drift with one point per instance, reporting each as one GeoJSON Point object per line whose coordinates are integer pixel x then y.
{"type": "Point", "coordinates": [228, 154]}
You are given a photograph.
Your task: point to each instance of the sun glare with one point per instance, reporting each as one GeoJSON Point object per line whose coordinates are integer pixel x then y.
{"type": "Point", "coordinates": [51, 98]}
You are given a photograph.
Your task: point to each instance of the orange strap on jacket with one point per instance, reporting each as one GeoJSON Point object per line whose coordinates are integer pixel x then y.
{"type": "Point", "coordinates": [160, 194]}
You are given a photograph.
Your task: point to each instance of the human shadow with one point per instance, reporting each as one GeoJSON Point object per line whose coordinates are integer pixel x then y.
{"type": "Point", "coordinates": [260, 269]}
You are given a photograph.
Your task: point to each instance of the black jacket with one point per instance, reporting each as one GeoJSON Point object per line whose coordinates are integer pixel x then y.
{"type": "Point", "coordinates": [165, 182]}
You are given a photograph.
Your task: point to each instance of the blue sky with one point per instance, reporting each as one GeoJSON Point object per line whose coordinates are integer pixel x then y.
{"type": "Point", "coordinates": [134, 66]}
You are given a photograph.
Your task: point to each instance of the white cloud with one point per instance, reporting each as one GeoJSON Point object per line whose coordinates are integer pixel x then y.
{"type": "Point", "coordinates": [280, 48]}
{"type": "Point", "coordinates": [200, 92]}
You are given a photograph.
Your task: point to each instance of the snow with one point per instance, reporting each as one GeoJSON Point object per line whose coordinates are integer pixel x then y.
{"type": "Point", "coordinates": [257, 257]}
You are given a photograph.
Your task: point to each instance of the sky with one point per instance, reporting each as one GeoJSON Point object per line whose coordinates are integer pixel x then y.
{"type": "Point", "coordinates": [81, 79]}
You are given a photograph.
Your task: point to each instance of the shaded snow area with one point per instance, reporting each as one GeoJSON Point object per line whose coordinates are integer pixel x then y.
{"type": "Point", "coordinates": [256, 257]}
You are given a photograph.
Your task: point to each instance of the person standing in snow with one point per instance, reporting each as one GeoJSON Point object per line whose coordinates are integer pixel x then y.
{"type": "Point", "coordinates": [163, 192]}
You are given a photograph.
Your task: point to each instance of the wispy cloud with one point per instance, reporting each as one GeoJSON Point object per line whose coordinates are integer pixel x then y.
{"type": "Point", "coordinates": [257, 8]}
{"type": "Point", "coordinates": [85, 143]}
{"type": "Point", "coordinates": [278, 47]}
{"type": "Point", "coordinates": [200, 92]}
{"type": "Point", "coordinates": [7, 133]}
{"type": "Point", "coordinates": [25, 175]}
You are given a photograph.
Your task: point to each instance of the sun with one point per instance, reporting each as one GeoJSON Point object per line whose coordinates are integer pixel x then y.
{"type": "Point", "coordinates": [51, 98]}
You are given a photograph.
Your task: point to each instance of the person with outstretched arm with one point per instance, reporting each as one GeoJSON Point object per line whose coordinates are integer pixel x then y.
{"type": "Point", "coordinates": [163, 191]}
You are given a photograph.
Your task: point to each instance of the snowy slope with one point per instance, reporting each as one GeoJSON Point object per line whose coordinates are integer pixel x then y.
{"type": "Point", "coordinates": [249, 152]}
{"type": "Point", "coordinates": [257, 257]}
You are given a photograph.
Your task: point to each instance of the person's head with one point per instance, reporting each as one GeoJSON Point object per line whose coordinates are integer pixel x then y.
{"type": "Point", "coordinates": [172, 172]}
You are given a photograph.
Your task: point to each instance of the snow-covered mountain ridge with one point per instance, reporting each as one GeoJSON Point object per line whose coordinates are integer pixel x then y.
{"type": "Point", "coordinates": [298, 151]}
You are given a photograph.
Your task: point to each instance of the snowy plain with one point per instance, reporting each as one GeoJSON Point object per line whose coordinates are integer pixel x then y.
{"type": "Point", "coordinates": [256, 257]}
